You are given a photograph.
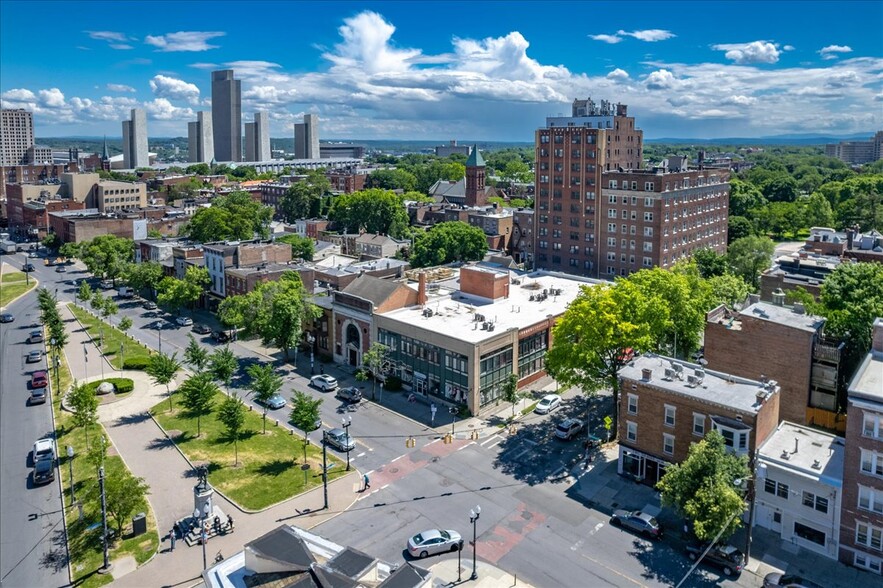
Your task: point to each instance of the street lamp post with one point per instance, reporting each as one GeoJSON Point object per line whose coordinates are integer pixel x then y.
{"type": "Point", "coordinates": [347, 421]}
{"type": "Point", "coordinates": [473, 518]}
{"type": "Point", "coordinates": [106, 567]}
{"type": "Point", "coordinates": [70, 463]}
{"type": "Point", "coordinates": [311, 340]}
{"type": "Point", "coordinates": [453, 411]}
{"type": "Point", "coordinates": [202, 534]}
{"type": "Point", "coordinates": [325, 468]}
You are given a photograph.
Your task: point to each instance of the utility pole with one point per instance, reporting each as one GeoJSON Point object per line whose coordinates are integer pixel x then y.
{"type": "Point", "coordinates": [325, 469]}
{"type": "Point", "coordinates": [106, 567]}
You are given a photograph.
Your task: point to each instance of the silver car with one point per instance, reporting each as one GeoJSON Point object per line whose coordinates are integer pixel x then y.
{"type": "Point", "coordinates": [547, 404]}
{"type": "Point", "coordinates": [34, 356]}
{"type": "Point", "coordinates": [434, 541]}
{"type": "Point", "coordinates": [339, 439]}
{"type": "Point", "coordinates": [275, 401]}
{"type": "Point", "coordinates": [324, 382]}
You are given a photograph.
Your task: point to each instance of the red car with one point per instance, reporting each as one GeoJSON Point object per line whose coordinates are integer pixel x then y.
{"type": "Point", "coordinates": [38, 380]}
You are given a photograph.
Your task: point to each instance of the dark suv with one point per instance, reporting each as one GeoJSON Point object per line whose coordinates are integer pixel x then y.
{"type": "Point", "coordinates": [726, 557]}
{"type": "Point", "coordinates": [221, 336]}
{"type": "Point", "coordinates": [44, 471]}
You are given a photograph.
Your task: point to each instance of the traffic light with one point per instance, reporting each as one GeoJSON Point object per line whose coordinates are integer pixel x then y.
{"type": "Point", "coordinates": [448, 439]}
{"type": "Point", "coordinates": [410, 442]}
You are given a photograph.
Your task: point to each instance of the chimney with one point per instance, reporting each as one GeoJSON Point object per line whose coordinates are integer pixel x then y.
{"type": "Point", "coordinates": [646, 374]}
{"type": "Point", "coordinates": [850, 237]}
{"type": "Point", "coordinates": [779, 297]}
{"type": "Point", "coordinates": [421, 289]}
{"type": "Point", "coordinates": [877, 335]}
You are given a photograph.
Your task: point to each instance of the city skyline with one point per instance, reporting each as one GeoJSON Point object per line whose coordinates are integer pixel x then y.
{"type": "Point", "coordinates": [469, 70]}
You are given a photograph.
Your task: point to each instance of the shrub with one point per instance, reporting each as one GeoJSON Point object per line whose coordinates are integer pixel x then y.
{"type": "Point", "coordinates": [121, 385]}
{"type": "Point", "coordinates": [393, 383]}
{"type": "Point", "coordinates": [135, 363]}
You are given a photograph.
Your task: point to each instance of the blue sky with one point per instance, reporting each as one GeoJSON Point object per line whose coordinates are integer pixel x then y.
{"type": "Point", "coordinates": [444, 70]}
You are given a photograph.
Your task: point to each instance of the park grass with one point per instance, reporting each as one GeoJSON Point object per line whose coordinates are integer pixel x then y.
{"type": "Point", "coordinates": [133, 351]}
{"type": "Point", "coordinates": [269, 469]}
{"type": "Point", "coordinates": [12, 285]}
{"type": "Point", "coordinates": [84, 545]}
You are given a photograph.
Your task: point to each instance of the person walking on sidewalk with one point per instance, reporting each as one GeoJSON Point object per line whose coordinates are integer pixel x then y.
{"type": "Point", "coordinates": [172, 539]}
{"type": "Point", "coordinates": [367, 483]}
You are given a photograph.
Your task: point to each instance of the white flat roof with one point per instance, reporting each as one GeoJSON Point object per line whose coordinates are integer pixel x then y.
{"type": "Point", "coordinates": [453, 312]}
{"type": "Point", "coordinates": [810, 452]}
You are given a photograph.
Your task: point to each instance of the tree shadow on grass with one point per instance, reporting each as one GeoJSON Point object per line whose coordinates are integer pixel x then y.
{"type": "Point", "coordinates": [276, 467]}
{"type": "Point", "coordinates": [227, 439]}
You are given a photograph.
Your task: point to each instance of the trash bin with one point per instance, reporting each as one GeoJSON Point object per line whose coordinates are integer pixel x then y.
{"type": "Point", "coordinates": [139, 524]}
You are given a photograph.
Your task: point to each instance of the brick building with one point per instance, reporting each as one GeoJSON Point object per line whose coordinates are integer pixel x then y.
{"type": "Point", "coordinates": [571, 155]}
{"type": "Point", "coordinates": [347, 181]}
{"type": "Point", "coordinates": [655, 218]}
{"type": "Point", "coordinates": [245, 279]}
{"type": "Point", "coordinates": [44, 173]}
{"type": "Point", "coordinates": [522, 241]}
{"type": "Point", "coordinates": [666, 405]}
{"type": "Point", "coordinates": [223, 256]}
{"type": "Point", "coordinates": [861, 517]}
{"type": "Point", "coordinates": [76, 226]}
{"type": "Point", "coordinates": [782, 343]}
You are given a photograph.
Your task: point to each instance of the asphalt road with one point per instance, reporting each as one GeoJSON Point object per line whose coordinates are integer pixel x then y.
{"type": "Point", "coordinates": [32, 546]}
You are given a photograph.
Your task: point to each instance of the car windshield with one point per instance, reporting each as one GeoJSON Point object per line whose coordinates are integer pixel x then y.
{"type": "Point", "coordinates": [652, 521]}
{"type": "Point", "coordinates": [564, 427]}
{"type": "Point", "coordinates": [418, 539]}
{"type": "Point", "coordinates": [445, 535]}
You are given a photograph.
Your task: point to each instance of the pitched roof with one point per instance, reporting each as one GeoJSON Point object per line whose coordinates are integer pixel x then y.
{"type": "Point", "coordinates": [371, 288]}
{"type": "Point", "coordinates": [284, 546]}
{"type": "Point", "coordinates": [475, 158]}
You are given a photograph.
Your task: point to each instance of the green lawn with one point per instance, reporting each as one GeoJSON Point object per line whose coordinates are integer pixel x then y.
{"type": "Point", "coordinates": [134, 353]}
{"type": "Point", "coordinates": [269, 469]}
{"type": "Point", "coordinates": [12, 285]}
{"type": "Point", "coordinates": [84, 545]}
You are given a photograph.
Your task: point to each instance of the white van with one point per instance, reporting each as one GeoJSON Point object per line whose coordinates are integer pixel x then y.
{"type": "Point", "coordinates": [126, 292]}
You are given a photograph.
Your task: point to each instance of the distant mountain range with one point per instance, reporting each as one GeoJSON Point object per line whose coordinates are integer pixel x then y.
{"type": "Point", "coordinates": [795, 139]}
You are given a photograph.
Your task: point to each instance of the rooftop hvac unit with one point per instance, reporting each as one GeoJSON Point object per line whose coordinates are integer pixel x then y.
{"type": "Point", "coordinates": [700, 374]}
{"type": "Point", "coordinates": [484, 326]}
{"type": "Point", "coordinates": [669, 374]}
{"type": "Point", "coordinates": [490, 326]}
{"type": "Point", "coordinates": [692, 381]}
{"type": "Point", "coordinates": [678, 368]}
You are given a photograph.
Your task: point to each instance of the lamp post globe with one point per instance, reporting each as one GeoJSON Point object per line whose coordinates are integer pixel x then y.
{"type": "Point", "coordinates": [474, 515]}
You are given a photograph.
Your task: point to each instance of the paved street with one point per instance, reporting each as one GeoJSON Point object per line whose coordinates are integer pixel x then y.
{"type": "Point", "coordinates": [32, 546]}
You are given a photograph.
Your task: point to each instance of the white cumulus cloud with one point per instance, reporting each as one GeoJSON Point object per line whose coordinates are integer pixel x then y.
{"type": "Point", "coordinates": [661, 79]}
{"type": "Point", "coordinates": [120, 88]}
{"type": "Point", "coordinates": [746, 53]}
{"type": "Point", "coordinates": [162, 109]}
{"type": "Point", "coordinates": [648, 35]}
{"type": "Point", "coordinates": [174, 89]}
{"type": "Point", "coordinates": [618, 74]}
{"type": "Point", "coordinates": [184, 40]}
{"type": "Point", "coordinates": [833, 51]}
{"type": "Point", "coordinates": [366, 44]}
{"type": "Point", "coordinates": [52, 98]}
{"type": "Point", "coordinates": [19, 95]}
{"type": "Point", "coordinates": [612, 39]}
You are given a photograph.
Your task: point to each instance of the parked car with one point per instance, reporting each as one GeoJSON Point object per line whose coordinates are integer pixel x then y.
{"type": "Point", "coordinates": [7, 317]}
{"type": "Point", "coordinates": [221, 336]}
{"type": "Point", "coordinates": [324, 382]}
{"type": "Point", "coordinates": [275, 401]}
{"type": "Point", "coordinates": [28, 267]}
{"type": "Point", "coordinates": [547, 404]}
{"type": "Point", "coordinates": [44, 471]}
{"type": "Point", "coordinates": [775, 579]}
{"type": "Point", "coordinates": [33, 254]}
{"type": "Point", "coordinates": [350, 394]}
{"type": "Point", "coordinates": [43, 449]}
{"type": "Point", "coordinates": [38, 396]}
{"type": "Point", "coordinates": [106, 284]}
{"type": "Point", "coordinates": [34, 356]}
{"type": "Point", "coordinates": [202, 329]}
{"type": "Point", "coordinates": [35, 337]}
{"type": "Point", "coordinates": [126, 292]}
{"type": "Point", "coordinates": [149, 305]}
{"type": "Point", "coordinates": [568, 429]}
{"type": "Point", "coordinates": [434, 541]}
{"type": "Point", "coordinates": [637, 521]}
{"type": "Point", "coordinates": [38, 380]}
{"type": "Point", "coordinates": [726, 557]}
{"type": "Point", "coordinates": [184, 321]}
{"type": "Point", "coordinates": [60, 269]}
{"type": "Point", "coordinates": [340, 439]}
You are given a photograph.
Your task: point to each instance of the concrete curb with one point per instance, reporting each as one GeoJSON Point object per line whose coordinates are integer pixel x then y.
{"type": "Point", "coordinates": [34, 287]}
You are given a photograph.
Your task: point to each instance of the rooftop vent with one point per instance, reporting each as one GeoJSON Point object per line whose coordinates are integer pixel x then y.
{"type": "Point", "coordinates": [785, 454]}
{"type": "Point", "coordinates": [669, 374]}
{"type": "Point", "coordinates": [816, 465]}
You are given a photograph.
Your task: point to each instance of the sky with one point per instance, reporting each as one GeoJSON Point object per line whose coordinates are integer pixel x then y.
{"type": "Point", "coordinates": [485, 71]}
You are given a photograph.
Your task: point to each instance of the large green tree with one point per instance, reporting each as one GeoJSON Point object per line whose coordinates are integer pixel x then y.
{"type": "Point", "coordinates": [304, 411]}
{"type": "Point", "coordinates": [704, 487]}
{"type": "Point", "coordinates": [447, 242]}
{"type": "Point", "coordinates": [125, 494]}
{"type": "Point", "coordinates": [107, 256]}
{"type": "Point", "coordinates": [85, 405]}
{"type": "Point", "coordinates": [374, 210]}
{"type": "Point", "coordinates": [175, 294]}
{"type": "Point", "coordinates": [851, 298]}
{"type": "Point", "coordinates": [300, 200]}
{"type": "Point", "coordinates": [744, 196]}
{"type": "Point", "coordinates": [751, 256]}
{"type": "Point", "coordinates": [233, 216]}
{"type": "Point", "coordinates": [197, 396]}
{"type": "Point", "coordinates": [594, 337]}
{"type": "Point", "coordinates": [162, 369]}
{"type": "Point", "coordinates": [274, 311]}
{"type": "Point", "coordinates": [392, 179]}
{"type": "Point", "coordinates": [223, 365]}
{"type": "Point", "coordinates": [196, 355]}
{"type": "Point", "coordinates": [144, 276]}
{"type": "Point", "coordinates": [301, 247]}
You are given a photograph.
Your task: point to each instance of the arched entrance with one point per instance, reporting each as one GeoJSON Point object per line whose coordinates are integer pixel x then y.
{"type": "Point", "coordinates": [353, 344]}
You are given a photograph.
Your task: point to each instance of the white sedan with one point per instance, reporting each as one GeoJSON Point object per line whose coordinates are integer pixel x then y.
{"type": "Point", "coordinates": [434, 541]}
{"type": "Point", "coordinates": [547, 404]}
{"type": "Point", "coordinates": [184, 321]}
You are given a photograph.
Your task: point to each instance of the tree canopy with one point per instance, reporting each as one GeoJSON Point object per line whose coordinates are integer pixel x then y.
{"type": "Point", "coordinates": [175, 294]}
{"type": "Point", "coordinates": [231, 413]}
{"type": "Point", "coordinates": [233, 216]}
{"type": "Point", "coordinates": [106, 256]}
{"type": "Point", "coordinates": [447, 242]}
{"type": "Point", "coordinates": [851, 298]}
{"type": "Point", "coordinates": [374, 210]}
{"type": "Point", "coordinates": [301, 200]}
{"type": "Point", "coordinates": [197, 396]}
{"type": "Point", "coordinates": [301, 247]}
{"type": "Point", "coordinates": [750, 256]}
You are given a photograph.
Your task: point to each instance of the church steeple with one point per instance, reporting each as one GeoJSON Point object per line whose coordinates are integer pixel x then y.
{"type": "Point", "coordinates": [475, 186]}
{"type": "Point", "coordinates": [104, 154]}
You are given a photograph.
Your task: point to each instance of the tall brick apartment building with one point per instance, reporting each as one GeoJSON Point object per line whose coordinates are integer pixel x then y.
{"type": "Point", "coordinates": [861, 517]}
{"type": "Point", "coordinates": [599, 214]}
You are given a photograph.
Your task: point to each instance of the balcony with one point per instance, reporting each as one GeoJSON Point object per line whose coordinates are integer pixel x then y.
{"type": "Point", "coordinates": [828, 352]}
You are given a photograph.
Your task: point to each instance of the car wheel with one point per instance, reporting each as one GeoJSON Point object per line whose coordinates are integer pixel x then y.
{"type": "Point", "coordinates": [692, 556]}
{"type": "Point", "coordinates": [616, 522]}
{"type": "Point", "coordinates": [728, 571]}
{"type": "Point", "coordinates": [455, 547]}
{"type": "Point", "coordinates": [423, 554]}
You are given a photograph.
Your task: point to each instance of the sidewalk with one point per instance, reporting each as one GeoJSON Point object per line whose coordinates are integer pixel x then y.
{"type": "Point", "coordinates": [601, 488]}
{"type": "Point", "coordinates": [150, 455]}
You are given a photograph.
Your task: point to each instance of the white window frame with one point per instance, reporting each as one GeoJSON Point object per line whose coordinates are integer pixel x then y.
{"type": "Point", "coordinates": [670, 415]}
{"type": "Point", "coordinates": [631, 431]}
{"type": "Point", "coordinates": [873, 498]}
{"type": "Point", "coordinates": [869, 536]}
{"type": "Point", "coordinates": [814, 502]}
{"type": "Point", "coordinates": [740, 437]}
{"type": "Point", "coordinates": [867, 562]}
{"type": "Point", "coordinates": [632, 406]}
{"type": "Point", "coordinates": [872, 426]}
{"type": "Point", "coordinates": [699, 419]}
{"type": "Point", "coordinates": [668, 444]}
{"type": "Point", "coordinates": [874, 463]}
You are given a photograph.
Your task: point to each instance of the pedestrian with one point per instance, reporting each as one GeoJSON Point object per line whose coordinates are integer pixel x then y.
{"type": "Point", "coordinates": [230, 522]}
{"type": "Point", "coordinates": [172, 539]}
{"type": "Point", "coordinates": [367, 483]}
{"type": "Point", "coordinates": [217, 522]}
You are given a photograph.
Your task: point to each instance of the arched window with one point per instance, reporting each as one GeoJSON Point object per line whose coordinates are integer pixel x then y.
{"type": "Point", "coordinates": [352, 335]}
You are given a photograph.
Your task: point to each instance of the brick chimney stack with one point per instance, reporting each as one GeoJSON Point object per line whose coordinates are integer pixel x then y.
{"type": "Point", "coordinates": [421, 289]}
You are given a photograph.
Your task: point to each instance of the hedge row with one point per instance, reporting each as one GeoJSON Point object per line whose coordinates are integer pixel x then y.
{"type": "Point", "coordinates": [122, 385]}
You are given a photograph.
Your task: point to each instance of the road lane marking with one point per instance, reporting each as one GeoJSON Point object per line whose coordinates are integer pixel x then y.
{"type": "Point", "coordinates": [491, 438]}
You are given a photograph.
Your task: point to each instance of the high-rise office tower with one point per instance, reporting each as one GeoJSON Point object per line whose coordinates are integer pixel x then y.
{"type": "Point", "coordinates": [200, 139]}
{"type": "Point", "coordinates": [16, 135]}
{"type": "Point", "coordinates": [306, 138]}
{"type": "Point", "coordinates": [135, 140]}
{"type": "Point", "coordinates": [571, 154]}
{"type": "Point", "coordinates": [257, 138]}
{"type": "Point", "coordinates": [227, 115]}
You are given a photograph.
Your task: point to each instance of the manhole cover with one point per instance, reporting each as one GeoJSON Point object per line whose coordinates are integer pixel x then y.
{"type": "Point", "coordinates": [393, 470]}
